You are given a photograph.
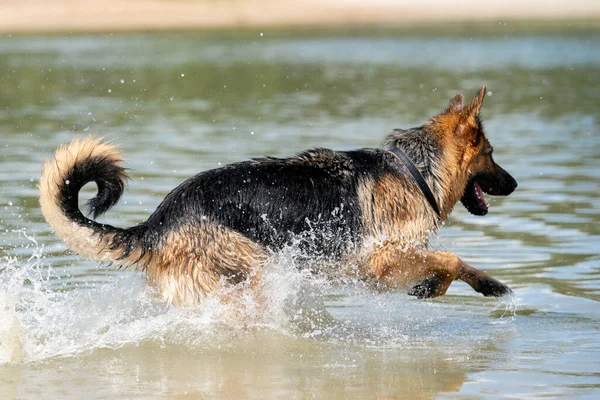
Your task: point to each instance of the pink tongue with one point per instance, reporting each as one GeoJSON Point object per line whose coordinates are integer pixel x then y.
{"type": "Point", "coordinates": [480, 195]}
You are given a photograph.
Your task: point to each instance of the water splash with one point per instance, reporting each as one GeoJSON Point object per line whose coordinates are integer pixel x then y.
{"type": "Point", "coordinates": [42, 318]}
{"type": "Point", "coordinates": [10, 328]}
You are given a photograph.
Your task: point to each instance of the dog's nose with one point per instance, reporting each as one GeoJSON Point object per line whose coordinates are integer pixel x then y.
{"type": "Point", "coordinates": [506, 183]}
{"type": "Point", "coordinates": [513, 181]}
{"type": "Point", "coordinates": [510, 184]}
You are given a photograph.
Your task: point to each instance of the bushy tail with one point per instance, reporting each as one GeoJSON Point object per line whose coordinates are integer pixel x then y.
{"type": "Point", "coordinates": [75, 164]}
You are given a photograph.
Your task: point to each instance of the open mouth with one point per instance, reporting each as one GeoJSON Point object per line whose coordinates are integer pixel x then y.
{"type": "Point", "coordinates": [473, 198]}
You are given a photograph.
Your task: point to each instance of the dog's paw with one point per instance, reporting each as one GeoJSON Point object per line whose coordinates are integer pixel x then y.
{"type": "Point", "coordinates": [492, 288]}
{"type": "Point", "coordinates": [427, 288]}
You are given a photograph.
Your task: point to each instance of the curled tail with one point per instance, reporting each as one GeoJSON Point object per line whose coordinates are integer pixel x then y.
{"type": "Point", "coordinates": [74, 165]}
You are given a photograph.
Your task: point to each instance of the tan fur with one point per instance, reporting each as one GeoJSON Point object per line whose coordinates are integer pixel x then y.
{"type": "Point", "coordinates": [398, 219]}
{"type": "Point", "coordinates": [390, 211]}
{"type": "Point", "coordinates": [455, 129]}
{"type": "Point", "coordinates": [396, 265]}
{"type": "Point", "coordinates": [194, 259]}
{"type": "Point", "coordinates": [83, 240]}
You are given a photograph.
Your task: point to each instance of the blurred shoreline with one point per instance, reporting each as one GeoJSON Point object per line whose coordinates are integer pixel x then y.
{"type": "Point", "coordinates": [96, 16]}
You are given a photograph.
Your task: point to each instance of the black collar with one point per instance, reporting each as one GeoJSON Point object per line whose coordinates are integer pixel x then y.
{"type": "Point", "coordinates": [416, 174]}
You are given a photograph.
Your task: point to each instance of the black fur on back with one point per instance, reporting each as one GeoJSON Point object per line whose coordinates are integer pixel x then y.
{"type": "Point", "coordinates": [275, 201]}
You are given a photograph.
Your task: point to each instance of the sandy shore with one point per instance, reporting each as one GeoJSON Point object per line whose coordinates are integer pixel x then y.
{"type": "Point", "coordinates": [138, 15]}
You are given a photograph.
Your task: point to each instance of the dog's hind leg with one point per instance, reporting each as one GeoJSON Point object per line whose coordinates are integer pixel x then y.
{"type": "Point", "coordinates": [197, 257]}
{"type": "Point", "coordinates": [428, 274]}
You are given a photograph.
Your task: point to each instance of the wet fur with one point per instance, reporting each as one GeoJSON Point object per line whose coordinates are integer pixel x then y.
{"type": "Point", "coordinates": [359, 206]}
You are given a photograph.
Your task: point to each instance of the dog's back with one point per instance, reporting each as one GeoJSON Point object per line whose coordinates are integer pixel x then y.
{"type": "Point", "coordinates": [275, 201]}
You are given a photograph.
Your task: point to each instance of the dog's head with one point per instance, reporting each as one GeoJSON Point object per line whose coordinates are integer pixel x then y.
{"type": "Point", "coordinates": [464, 132]}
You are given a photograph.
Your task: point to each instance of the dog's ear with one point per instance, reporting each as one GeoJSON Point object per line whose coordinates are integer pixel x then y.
{"type": "Point", "coordinates": [475, 104]}
{"type": "Point", "coordinates": [460, 119]}
{"type": "Point", "coordinates": [467, 126]}
{"type": "Point", "coordinates": [456, 105]}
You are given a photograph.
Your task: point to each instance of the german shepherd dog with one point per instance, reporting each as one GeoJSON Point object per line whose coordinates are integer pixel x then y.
{"type": "Point", "coordinates": [373, 208]}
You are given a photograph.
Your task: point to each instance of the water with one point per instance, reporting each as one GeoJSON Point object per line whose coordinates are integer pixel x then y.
{"type": "Point", "coordinates": [181, 103]}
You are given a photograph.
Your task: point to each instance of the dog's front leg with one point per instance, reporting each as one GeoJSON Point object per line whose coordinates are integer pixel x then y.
{"type": "Point", "coordinates": [428, 274]}
{"type": "Point", "coordinates": [483, 283]}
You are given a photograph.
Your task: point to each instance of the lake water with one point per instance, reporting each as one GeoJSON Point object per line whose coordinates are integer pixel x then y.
{"type": "Point", "coordinates": [178, 104]}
